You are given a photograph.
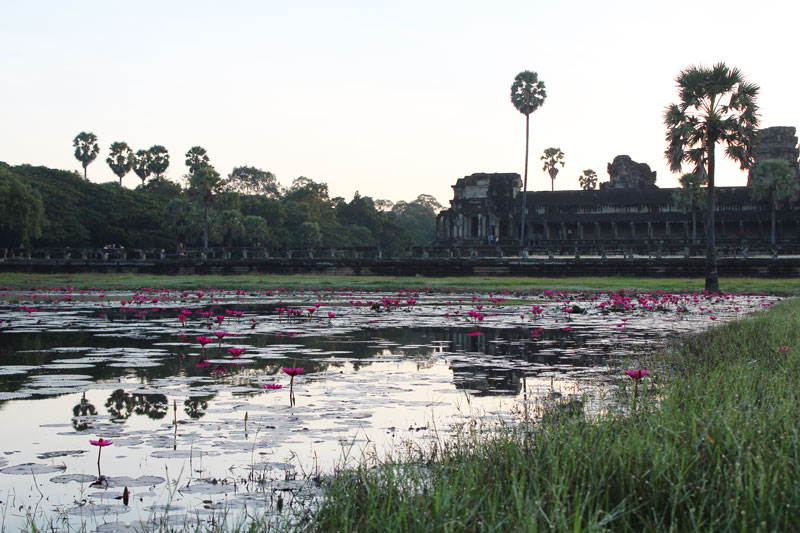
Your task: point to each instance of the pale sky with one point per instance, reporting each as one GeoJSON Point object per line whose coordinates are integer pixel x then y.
{"type": "Point", "coordinates": [390, 99]}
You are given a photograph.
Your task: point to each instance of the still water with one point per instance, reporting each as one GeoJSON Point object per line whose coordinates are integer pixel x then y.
{"type": "Point", "coordinates": [196, 434]}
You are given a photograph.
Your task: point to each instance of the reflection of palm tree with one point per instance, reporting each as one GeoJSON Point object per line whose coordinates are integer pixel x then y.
{"type": "Point", "coordinates": [119, 401]}
{"type": "Point", "coordinates": [154, 406]}
{"type": "Point", "coordinates": [194, 406]}
{"type": "Point", "coordinates": [83, 408]}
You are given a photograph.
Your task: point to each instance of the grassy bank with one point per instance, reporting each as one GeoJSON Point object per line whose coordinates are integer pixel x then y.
{"type": "Point", "coordinates": [108, 281]}
{"type": "Point", "coordinates": [720, 453]}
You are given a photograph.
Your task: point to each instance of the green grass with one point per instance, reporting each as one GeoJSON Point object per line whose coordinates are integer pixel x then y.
{"type": "Point", "coordinates": [720, 452]}
{"type": "Point", "coordinates": [773, 286]}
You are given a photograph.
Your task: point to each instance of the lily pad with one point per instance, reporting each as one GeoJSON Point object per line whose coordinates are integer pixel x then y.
{"type": "Point", "coordinates": [32, 468]}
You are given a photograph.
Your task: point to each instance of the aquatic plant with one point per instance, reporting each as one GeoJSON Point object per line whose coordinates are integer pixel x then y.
{"type": "Point", "coordinates": [636, 376]}
{"type": "Point", "coordinates": [236, 352]}
{"type": "Point", "coordinates": [203, 341]}
{"type": "Point", "coordinates": [292, 371]}
{"type": "Point", "coordinates": [100, 443]}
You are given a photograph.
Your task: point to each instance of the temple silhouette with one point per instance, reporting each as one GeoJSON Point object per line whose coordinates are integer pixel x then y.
{"type": "Point", "coordinates": [630, 207]}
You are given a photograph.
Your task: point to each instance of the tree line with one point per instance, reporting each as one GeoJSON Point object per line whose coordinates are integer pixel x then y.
{"type": "Point", "coordinates": [46, 207]}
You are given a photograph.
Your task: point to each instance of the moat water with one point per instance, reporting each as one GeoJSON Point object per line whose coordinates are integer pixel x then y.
{"type": "Point", "coordinates": [197, 435]}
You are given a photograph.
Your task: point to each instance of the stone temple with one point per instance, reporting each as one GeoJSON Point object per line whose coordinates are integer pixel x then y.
{"type": "Point", "coordinates": [486, 208]}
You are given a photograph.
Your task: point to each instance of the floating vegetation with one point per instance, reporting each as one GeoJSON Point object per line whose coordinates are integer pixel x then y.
{"type": "Point", "coordinates": [216, 400]}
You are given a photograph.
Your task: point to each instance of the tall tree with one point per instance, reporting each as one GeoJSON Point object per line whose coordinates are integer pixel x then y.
{"type": "Point", "coordinates": [527, 95]}
{"type": "Point", "coordinates": [181, 220]}
{"type": "Point", "coordinates": [691, 196]}
{"type": "Point", "coordinates": [251, 180]}
{"type": "Point", "coordinates": [120, 159]}
{"type": "Point", "coordinates": [22, 214]}
{"type": "Point", "coordinates": [716, 105]}
{"type": "Point", "coordinates": [225, 227]}
{"type": "Point", "coordinates": [774, 182]}
{"type": "Point", "coordinates": [159, 160]}
{"type": "Point", "coordinates": [204, 184]}
{"type": "Point", "coordinates": [142, 164]}
{"type": "Point", "coordinates": [256, 230]}
{"type": "Point", "coordinates": [196, 158]}
{"type": "Point", "coordinates": [552, 157]}
{"type": "Point", "coordinates": [588, 180]}
{"type": "Point", "coordinates": [86, 149]}
{"type": "Point", "coordinates": [384, 205]}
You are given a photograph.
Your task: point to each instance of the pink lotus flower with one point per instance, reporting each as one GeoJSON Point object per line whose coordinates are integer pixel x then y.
{"type": "Point", "coordinates": [475, 333]}
{"type": "Point", "coordinates": [203, 341]}
{"type": "Point", "coordinates": [220, 334]}
{"type": "Point", "coordinates": [236, 352]}
{"type": "Point", "coordinates": [220, 370]}
{"type": "Point", "coordinates": [637, 374]}
{"type": "Point", "coordinates": [100, 443]}
{"type": "Point", "coordinates": [292, 372]}
{"type": "Point", "coordinates": [203, 362]}
{"type": "Point", "coordinates": [272, 386]}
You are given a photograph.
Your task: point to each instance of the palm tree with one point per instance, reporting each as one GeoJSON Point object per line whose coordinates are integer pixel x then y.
{"type": "Point", "coordinates": [120, 159]}
{"type": "Point", "coordinates": [196, 158]}
{"type": "Point", "coordinates": [716, 105]}
{"type": "Point", "coordinates": [159, 160]}
{"type": "Point", "coordinates": [142, 161]}
{"type": "Point", "coordinates": [774, 181]}
{"type": "Point", "coordinates": [204, 184]}
{"type": "Point", "coordinates": [588, 180]}
{"type": "Point", "coordinates": [552, 157]}
{"type": "Point", "coordinates": [86, 149]}
{"type": "Point", "coordinates": [690, 196]}
{"type": "Point", "coordinates": [527, 95]}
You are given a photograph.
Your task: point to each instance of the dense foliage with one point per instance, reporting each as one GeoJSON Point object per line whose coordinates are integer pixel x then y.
{"type": "Point", "coordinates": [40, 206]}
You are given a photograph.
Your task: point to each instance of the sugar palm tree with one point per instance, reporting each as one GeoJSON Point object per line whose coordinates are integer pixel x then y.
{"type": "Point", "coordinates": [527, 95]}
{"type": "Point", "coordinates": [690, 196]}
{"type": "Point", "coordinates": [120, 159]}
{"type": "Point", "coordinates": [142, 164]}
{"type": "Point", "coordinates": [196, 158]}
{"type": "Point", "coordinates": [552, 157]}
{"type": "Point", "coordinates": [774, 181]}
{"type": "Point", "coordinates": [159, 160]}
{"type": "Point", "coordinates": [716, 105]}
{"type": "Point", "coordinates": [86, 149]}
{"type": "Point", "coordinates": [588, 180]}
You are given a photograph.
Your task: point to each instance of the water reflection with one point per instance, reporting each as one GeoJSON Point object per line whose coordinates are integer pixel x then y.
{"type": "Point", "coordinates": [83, 409]}
{"type": "Point", "coordinates": [121, 405]}
{"type": "Point", "coordinates": [369, 375]}
{"type": "Point", "coordinates": [196, 406]}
